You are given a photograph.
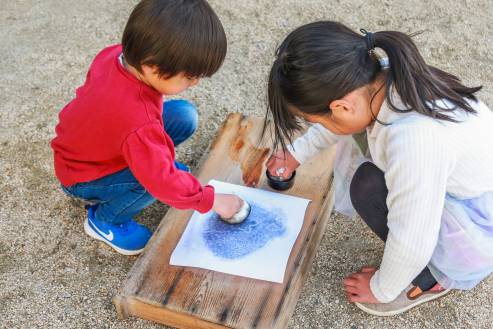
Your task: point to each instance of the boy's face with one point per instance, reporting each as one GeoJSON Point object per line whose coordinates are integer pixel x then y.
{"type": "Point", "coordinates": [167, 86]}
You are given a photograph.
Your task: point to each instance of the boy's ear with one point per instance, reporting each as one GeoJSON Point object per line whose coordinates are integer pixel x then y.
{"type": "Point", "coordinates": [148, 69]}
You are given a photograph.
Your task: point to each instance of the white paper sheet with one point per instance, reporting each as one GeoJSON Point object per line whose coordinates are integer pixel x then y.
{"type": "Point", "coordinates": [258, 248]}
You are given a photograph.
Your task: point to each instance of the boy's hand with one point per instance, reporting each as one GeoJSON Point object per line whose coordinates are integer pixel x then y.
{"type": "Point", "coordinates": [282, 164]}
{"type": "Point", "coordinates": [227, 205]}
{"type": "Point", "coordinates": [357, 286]}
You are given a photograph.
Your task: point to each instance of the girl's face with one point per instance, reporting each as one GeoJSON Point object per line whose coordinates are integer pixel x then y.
{"type": "Point", "coordinates": [352, 113]}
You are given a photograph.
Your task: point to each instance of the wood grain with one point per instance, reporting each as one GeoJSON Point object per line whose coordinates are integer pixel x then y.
{"type": "Point", "coordinates": [186, 297]}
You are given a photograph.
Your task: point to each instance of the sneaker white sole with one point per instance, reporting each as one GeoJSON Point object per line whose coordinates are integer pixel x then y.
{"type": "Point", "coordinates": [93, 234]}
{"type": "Point", "coordinates": [426, 298]}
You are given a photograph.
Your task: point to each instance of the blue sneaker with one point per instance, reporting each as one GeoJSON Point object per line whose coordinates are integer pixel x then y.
{"type": "Point", "coordinates": [181, 166]}
{"type": "Point", "coordinates": [129, 238]}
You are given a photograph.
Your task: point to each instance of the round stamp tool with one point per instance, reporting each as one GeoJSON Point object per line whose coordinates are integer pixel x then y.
{"type": "Point", "coordinates": [278, 182]}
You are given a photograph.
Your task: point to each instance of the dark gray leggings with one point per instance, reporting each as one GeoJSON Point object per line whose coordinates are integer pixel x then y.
{"type": "Point", "coordinates": [369, 197]}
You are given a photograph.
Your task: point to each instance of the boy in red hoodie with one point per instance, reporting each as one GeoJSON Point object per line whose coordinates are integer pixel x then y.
{"type": "Point", "coordinates": [115, 141]}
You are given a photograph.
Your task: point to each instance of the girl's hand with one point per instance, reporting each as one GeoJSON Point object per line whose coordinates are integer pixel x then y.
{"type": "Point", "coordinates": [282, 164]}
{"type": "Point", "coordinates": [357, 286]}
{"type": "Point", "coordinates": [227, 205]}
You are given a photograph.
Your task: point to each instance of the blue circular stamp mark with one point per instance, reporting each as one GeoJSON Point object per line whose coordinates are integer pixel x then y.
{"type": "Point", "coordinates": [233, 241]}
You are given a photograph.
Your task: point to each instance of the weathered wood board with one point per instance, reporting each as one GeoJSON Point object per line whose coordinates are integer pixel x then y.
{"type": "Point", "coordinates": [185, 297]}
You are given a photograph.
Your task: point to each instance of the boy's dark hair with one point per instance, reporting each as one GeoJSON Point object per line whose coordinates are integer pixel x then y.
{"type": "Point", "coordinates": [175, 36]}
{"type": "Point", "coordinates": [323, 61]}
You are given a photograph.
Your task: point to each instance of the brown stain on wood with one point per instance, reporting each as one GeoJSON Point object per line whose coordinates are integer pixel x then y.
{"type": "Point", "coordinates": [250, 158]}
{"type": "Point", "coordinates": [236, 148]}
{"type": "Point", "coordinates": [252, 166]}
{"type": "Point", "coordinates": [231, 119]}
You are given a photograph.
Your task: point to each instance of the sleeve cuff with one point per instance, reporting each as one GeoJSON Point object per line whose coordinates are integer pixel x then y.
{"type": "Point", "coordinates": [207, 201]}
{"type": "Point", "coordinates": [297, 155]}
{"type": "Point", "coordinates": [377, 292]}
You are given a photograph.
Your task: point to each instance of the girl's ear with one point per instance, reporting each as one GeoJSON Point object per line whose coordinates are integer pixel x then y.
{"type": "Point", "coordinates": [341, 107]}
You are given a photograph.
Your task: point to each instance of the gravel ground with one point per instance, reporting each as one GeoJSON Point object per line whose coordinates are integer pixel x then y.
{"type": "Point", "coordinates": [53, 276]}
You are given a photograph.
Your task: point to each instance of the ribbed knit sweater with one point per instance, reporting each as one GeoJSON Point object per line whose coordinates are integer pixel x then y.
{"type": "Point", "coordinates": [423, 159]}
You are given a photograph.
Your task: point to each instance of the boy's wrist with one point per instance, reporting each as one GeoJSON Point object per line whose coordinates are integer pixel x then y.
{"type": "Point", "coordinates": [207, 201]}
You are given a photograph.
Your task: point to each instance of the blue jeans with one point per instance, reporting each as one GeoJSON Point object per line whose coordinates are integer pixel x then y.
{"type": "Point", "coordinates": [120, 196]}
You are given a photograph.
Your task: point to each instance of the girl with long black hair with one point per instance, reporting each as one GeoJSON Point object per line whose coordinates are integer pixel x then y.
{"type": "Point", "coordinates": [427, 186]}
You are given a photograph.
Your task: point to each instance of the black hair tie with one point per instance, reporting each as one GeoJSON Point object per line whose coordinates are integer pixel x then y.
{"type": "Point", "coordinates": [369, 39]}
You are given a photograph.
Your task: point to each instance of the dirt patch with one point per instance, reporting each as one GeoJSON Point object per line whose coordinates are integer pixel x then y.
{"type": "Point", "coordinates": [6, 261]}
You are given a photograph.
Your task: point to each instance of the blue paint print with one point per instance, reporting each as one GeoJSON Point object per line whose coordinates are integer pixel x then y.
{"type": "Point", "coordinates": [232, 241]}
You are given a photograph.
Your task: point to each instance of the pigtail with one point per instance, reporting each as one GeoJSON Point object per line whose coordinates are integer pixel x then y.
{"type": "Point", "coordinates": [285, 122]}
{"type": "Point", "coordinates": [419, 85]}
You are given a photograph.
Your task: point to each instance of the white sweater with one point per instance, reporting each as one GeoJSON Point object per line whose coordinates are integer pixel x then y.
{"type": "Point", "coordinates": [423, 159]}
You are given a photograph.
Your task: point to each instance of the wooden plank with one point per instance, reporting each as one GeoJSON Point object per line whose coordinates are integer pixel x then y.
{"type": "Point", "coordinates": [156, 313]}
{"type": "Point", "coordinates": [187, 297]}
